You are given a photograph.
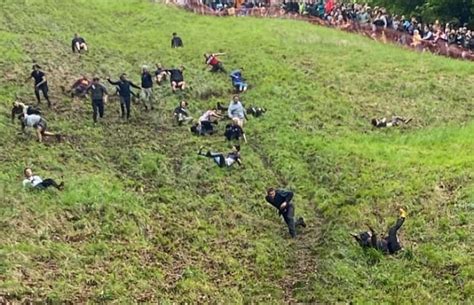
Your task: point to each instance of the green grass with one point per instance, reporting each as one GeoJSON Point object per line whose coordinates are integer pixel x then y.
{"type": "Point", "coordinates": [143, 218]}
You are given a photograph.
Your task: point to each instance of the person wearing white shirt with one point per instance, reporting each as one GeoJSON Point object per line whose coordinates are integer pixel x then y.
{"type": "Point", "coordinates": [39, 124]}
{"type": "Point", "coordinates": [36, 182]}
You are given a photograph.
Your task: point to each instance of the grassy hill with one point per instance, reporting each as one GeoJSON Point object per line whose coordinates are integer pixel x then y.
{"type": "Point", "coordinates": [143, 218]}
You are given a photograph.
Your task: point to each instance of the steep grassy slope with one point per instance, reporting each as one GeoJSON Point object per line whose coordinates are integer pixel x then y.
{"type": "Point", "coordinates": [145, 219]}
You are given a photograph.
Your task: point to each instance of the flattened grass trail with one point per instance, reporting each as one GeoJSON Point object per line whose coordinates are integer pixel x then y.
{"type": "Point", "coordinates": [144, 219]}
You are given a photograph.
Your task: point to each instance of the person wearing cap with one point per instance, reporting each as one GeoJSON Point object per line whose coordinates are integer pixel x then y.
{"type": "Point", "coordinates": [98, 94]}
{"type": "Point", "coordinates": [41, 84]}
{"type": "Point", "coordinates": [125, 93]}
{"type": "Point", "coordinates": [147, 88]}
{"type": "Point", "coordinates": [282, 201]}
{"type": "Point", "coordinates": [176, 41]}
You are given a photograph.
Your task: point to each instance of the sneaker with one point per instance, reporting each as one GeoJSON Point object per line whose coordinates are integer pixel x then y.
{"type": "Point", "coordinates": [301, 222]}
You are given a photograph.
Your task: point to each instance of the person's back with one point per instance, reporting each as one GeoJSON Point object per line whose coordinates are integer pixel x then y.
{"type": "Point", "coordinates": [147, 80]}
{"type": "Point", "coordinates": [176, 41]}
{"type": "Point", "coordinates": [176, 75]}
{"type": "Point", "coordinates": [32, 120]}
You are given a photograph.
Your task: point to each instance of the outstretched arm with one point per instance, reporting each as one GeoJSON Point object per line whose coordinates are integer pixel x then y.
{"type": "Point", "coordinates": [112, 82]}
{"type": "Point", "coordinates": [135, 86]}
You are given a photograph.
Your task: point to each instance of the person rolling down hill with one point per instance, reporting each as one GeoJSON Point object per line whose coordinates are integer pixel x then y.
{"type": "Point", "coordinates": [395, 121]}
{"type": "Point", "coordinates": [176, 41]}
{"type": "Point", "coordinates": [238, 82]}
{"type": "Point", "coordinates": [236, 110]}
{"type": "Point", "coordinates": [39, 124]}
{"type": "Point", "coordinates": [36, 182]}
{"type": "Point", "coordinates": [19, 108]}
{"type": "Point", "coordinates": [177, 78]}
{"type": "Point", "coordinates": [214, 62]}
{"type": "Point", "coordinates": [221, 160]}
{"type": "Point", "coordinates": [181, 114]}
{"type": "Point", "coordinates": [98, 94]}
{"type": "Point", "coordinates": [281, 200]}
{"type": "Point", "coordinates": [125, 94]}
{"type": "Point", "coordinates": [160, 74]}
{"type": "Point", "coordinates": [234, 131]}
{"type": "Point", "coordinates": [252, 110]}
{"type": "Point", "coordinates": [389, 244]}
{"type": "Point", "coordinates": [41, 84]}
{"type": "Point", "coordinates": [205, 122]}
{"type": "Point", "coordinates": [79, 88]}
{"type": "Point", "coordinates": [78, 44]}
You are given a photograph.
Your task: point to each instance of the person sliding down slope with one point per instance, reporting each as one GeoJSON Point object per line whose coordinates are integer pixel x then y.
{"type": "Point", "coordinates": [389, 244]}
{"type": "Point", "coordinates": [281, 200]}
{"type": "Point", "coordinates": [214, 62]}
{"type": "Point", "coordinates": [36, 182]}
{"type": "Point", "coordinates": [221, 160]}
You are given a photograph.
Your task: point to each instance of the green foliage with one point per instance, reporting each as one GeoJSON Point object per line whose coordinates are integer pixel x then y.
{"type": "Point", "coordinates": [144, 219]}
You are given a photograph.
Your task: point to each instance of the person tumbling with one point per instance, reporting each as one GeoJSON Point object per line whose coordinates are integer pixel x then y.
{"type": "Point", "coordinates": [238, 82]}
{"type": "Point", "coordinates": [395, 121]}
{"type": "Point", "coordinates": [234, 131]}
{"type": "Point", "coordinates": [177, 78]}
{"type": "Point", "coordinates": [176, 41]}
{"type": "Point", "coordinates": [160, 74]}
{"type": "Point", "coordinates": [41, 84]}
{"type": "Point", "coordinates": [36, 182]}
{"type": "Point", "coordinates": [236, 110]}
{"type": "Point", "coordinates": [19, 108]}
{"type": "Point", "coordinates": [39, 124]}
{"type": "Point", "coordinates": [213, 61]}
{"type": "Point", "coordinates": [390, 244]}
{"type": "Point", "coordinates": [125, 94]}
{"type": "Point", "coordinates": [205, 122]}
{"type": "Point", "coordinates": [181, 114]}
{"type": "Point", "coordinates": [147, 88]}
{"type": "Point", "coordinates": [78, 44]}
{"type": "Point", "coordinates": [221, 160]}
{"type": "Point", "coordinates": [281, 200]}
{"type": "Point", "coordinates": [98, 94]}
{"type": "Point", "coordinates": [79, 88]}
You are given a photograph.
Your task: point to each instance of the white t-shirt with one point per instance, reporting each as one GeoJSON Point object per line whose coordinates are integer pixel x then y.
{"type": "Point", "coordinates": [207, 116]}
{"type": "Point", "coordinates": [32, 181]}
{"type": "Point", "coordinates": [32, 119]}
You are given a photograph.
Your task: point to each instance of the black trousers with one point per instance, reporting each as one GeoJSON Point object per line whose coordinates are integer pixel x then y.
{"type": "Point", "coordinates": [289, 217]}
{"type": "Point", "coordinates": [393, 244]}
{"type": "Point", "coordinates": [98, 109]}
{"type": "Point", "coordinates": [125, 106]}
{"type": "Point", "coordinates": [43, 88]}
{"type": "Point", "coordinates": [218, 68]}
{"type": "Point", "coordinates": [47, 183]}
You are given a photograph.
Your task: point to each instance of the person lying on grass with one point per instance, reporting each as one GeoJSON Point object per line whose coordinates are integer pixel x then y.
{"type": "Point", "coordinates": [19, 108]}
{"type": "Point", "coordinates": [234, 131]}
{"type": "Point", "coordinates": [252, 110]}
{"type": "Point", "coordinates": [389, 244]}
{"type": "Point", "coordinates": [160, 74]}
{"type": "Point", "coordinates": [39, 124]}
{"type": "Point", "coordinates": [35, 182]}
{"type": "Point", "coordinates": [236, 110]}
{"type": "Point", "coordinates": [181, 114]}
{"type": "Point", "coordinates": [79, 88]}
{"type": "Point", "coordinates": [395, 121]}
{"type": "Point", "coordinates": [221, 160]}
{"type": "Point", "coordinates": [238, 81]}
{"type": "Point", "coordinates": [214, 62]}
{"type": "Point", "coordinates": [281, 200]}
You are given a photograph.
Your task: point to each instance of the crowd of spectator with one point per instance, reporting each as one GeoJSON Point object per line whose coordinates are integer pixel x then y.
{"type": "Point", "coordinates": [343, 15]}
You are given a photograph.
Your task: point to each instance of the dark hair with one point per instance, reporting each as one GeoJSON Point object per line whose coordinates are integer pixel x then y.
{"type": "Point", "coordinates": [174, 34]}
{"type": "Point", "coordinates": [374, 122]}
{"type": "Point", "coordinates": [270, 189]}
{"type": "Point", "coordinates": [36, 66]}
{"type": "Point", "coordinates": [26, 168]}
{"type": "Point", "coordinates": [237, 147]}
{"type": "Point", "coordinates": [96, 79]}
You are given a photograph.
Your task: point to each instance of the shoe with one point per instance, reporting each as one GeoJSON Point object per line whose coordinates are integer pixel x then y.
{"type": "Point", "coordinates": [301, 222]}
{"type": "Point", "coordinates": [58, 138]}
{"type": "Point", "coordinates": [403, 213]}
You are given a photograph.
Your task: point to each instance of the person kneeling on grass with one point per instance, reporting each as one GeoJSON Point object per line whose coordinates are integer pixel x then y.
{"type": "Point", "coordinates": [234, 131]}
{"type": "Point", "coordinates": [395, 121]}
{"type": "Point", "coordinates": [281, 200]}
{"type": "Point", "coordinates": [389, 244]}
{"type": "Point", "coordinates": [35, 182]}
{"type": "Point", "coordinates": [181, 114]}
{"type": "Point", "coordinates": [221, 160]}
{"type": "Point", "coordinates": [39, 124]}
{"type": "Point", "coordinates": [19, 108]}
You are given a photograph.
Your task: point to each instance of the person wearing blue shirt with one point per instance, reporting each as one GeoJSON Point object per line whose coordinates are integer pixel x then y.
{"type": "Point", "coordinates": [238, 82]}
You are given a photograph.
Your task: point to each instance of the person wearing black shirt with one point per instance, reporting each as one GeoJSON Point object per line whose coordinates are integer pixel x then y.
{"type": "Point", "coordinates": [160, 74]}
{"type": "Point", "coordinates": [78, 44]}
{"type": "Point", "coordinates": [181, 113]}
{"type": "Point", "coordinates": [234, 131]}
{"type": "Point", "coordinates": [390, 244]}
{"type": "Point", "coordinates": [221, 160]}
{"type": "Point", "coordinates": [125, 93]}
{"type": "Point", "coordinates": [98, 94]}
{"type": "Point", "coordinates": [176, 78]}
{"type": "Point", "coordinates": [41, 84]}
{"type": "Point", "coordinates": [147, 88]}
{"type": "Point", "coordinates": [176, 41]}
{"type": "Point", "coordinates": [281, 200]}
